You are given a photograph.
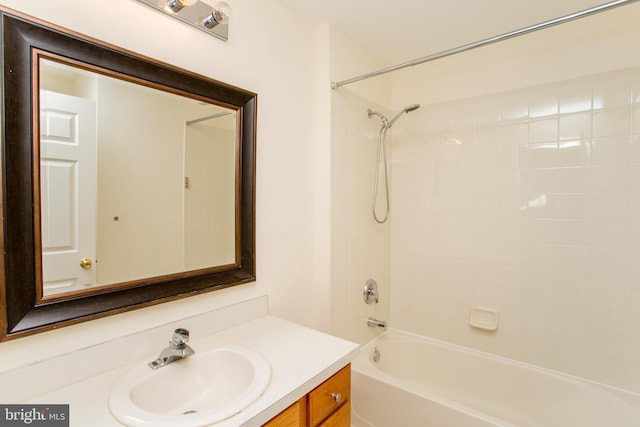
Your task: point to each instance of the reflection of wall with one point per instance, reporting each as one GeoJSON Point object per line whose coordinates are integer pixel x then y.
{"type": "Point", "coordinates": [82, 85]}
{"type": "Point", "coordinates": [210, 198]}
{"type": "Point", "coordinates": [139, 182]}
{"type": "Point", "coordinates": [140, 229]}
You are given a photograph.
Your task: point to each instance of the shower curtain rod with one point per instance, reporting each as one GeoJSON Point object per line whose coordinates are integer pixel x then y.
{"type": "Point", "coordinates": [490, 40]}
{"type": "Point", "coordinates": [202, 119]}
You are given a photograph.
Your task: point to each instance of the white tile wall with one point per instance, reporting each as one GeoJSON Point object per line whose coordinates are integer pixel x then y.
{"type": "Point", "coordinates": [360, 248]}
{"type": "Point", "coordinates": [528, 202]}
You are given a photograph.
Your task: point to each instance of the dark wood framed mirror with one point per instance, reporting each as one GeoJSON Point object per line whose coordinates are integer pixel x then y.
{"type": "Point", "coordinates": [26, 306]}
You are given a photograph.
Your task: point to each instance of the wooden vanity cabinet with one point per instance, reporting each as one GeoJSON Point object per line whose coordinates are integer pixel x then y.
{"type": "Point", "coordinates": [328, 405]}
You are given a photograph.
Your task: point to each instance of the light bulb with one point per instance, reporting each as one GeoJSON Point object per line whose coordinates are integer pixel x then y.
{"type": "Point", "coordinates": [176, 6]}
{"type": "Point", "coordinates": [219, 15]}
{"type": "Point", "coordinates": [223, 10]}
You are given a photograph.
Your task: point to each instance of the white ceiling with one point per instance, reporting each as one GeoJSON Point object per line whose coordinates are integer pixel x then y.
{"type": "Point", "coordinates": [397, 31]}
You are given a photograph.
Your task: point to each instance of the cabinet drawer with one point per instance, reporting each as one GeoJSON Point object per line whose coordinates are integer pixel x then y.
{"type": "Point", "coordinates": [293, 416]}
{"type": "Point", "coordinates": [323, 399]}
{"type": "Point", "coordinates": [340, 418]}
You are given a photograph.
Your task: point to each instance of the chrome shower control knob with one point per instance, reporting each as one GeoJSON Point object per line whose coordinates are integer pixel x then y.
{"type": "Point", "coordinates": [336, 396]}
{"type": "Point", "coordinates": [370, 292]}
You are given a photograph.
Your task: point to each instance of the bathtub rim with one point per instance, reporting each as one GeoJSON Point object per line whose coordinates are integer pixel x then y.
{"type": "Point", "coordinates": [630, 397]}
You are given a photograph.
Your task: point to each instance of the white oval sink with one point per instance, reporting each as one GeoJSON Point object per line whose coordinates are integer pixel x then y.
{"type": "Point", "coordinates": [207, 387]}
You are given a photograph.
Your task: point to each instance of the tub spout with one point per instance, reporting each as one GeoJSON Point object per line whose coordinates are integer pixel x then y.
{"type": "Point", "coordinates": [378, 324]}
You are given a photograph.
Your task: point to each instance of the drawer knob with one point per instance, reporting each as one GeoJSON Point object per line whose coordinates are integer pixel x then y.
{"type": "Point", "coordinates": [336, 396]}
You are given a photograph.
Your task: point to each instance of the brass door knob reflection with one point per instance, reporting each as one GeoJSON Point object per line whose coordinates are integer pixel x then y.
{"type": "Point", "coordinates": [86, 263]}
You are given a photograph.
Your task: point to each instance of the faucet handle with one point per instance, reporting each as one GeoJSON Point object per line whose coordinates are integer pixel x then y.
{"type": "Point", "coordinates": [180, 337]}
{"type": "Point", "coordinates": [370, 292]}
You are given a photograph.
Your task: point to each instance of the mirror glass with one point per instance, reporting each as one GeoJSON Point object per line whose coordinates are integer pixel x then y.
{"type": "Point", "coordinates": [135, 182]}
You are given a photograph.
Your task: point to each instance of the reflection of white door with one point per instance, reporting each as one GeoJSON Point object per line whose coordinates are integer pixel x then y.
{"type": "Point", "coordinates": [209, 197]}
{"type": "Point", "coordinates": [68, 182]}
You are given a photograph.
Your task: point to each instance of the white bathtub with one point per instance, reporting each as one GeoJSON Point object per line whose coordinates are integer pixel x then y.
{"type": "Point", "coordinates": [420, 382]}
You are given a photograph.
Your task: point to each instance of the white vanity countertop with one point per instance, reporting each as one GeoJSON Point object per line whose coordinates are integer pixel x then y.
{"type": "Point", "coordinates": [300, 358]}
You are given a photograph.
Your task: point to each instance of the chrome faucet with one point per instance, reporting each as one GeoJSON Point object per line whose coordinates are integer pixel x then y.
{"type": "Point", "coordinates": [178, 349]}
{"type": "Point", "coordinates": [378, 324]}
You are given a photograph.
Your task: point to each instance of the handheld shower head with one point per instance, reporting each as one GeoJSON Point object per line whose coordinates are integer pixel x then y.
{"type": "Point", "coordinates": [410, 108]}
{"type": "Point", "coordinates": [388, 123]}
{"type": "Point", "coordinates": [382, 149]}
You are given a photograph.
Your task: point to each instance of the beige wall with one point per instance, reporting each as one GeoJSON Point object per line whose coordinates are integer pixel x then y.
{"type": "Point", "coordinates": [599, 43]}
{"type": "Point", "coordinates": [291, 126]}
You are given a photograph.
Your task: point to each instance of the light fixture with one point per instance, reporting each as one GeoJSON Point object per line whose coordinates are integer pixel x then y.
{"type": "Point", "coordinates": [212, 20]}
